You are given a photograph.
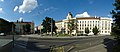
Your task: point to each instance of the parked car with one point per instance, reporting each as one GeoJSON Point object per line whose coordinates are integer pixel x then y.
{"type": "Point", "coordinates": [2, 34]}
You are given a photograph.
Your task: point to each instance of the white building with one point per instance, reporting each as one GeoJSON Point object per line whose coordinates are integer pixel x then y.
{"type": "Point", "coordinates": [84, 21]}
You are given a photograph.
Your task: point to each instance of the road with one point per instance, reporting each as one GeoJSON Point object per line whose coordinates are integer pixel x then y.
{"type": "Point", "coordinates": [67, 44]}
{"type": "Point", "coordinates": [9, 37]}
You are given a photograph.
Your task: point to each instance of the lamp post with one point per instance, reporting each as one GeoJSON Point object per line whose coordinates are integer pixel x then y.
{"type": "Point", "coordinates": [51, 27]}
{"type": "Point", "coordinates": [13, 35]}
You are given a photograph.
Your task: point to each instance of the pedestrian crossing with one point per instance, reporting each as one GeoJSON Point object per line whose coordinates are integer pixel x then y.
{"type": "Point", "coordinates": [21, 42]}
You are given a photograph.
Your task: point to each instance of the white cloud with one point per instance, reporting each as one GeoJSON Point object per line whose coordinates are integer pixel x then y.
{"type": "Point", "coordinates": [109, 15]}
{"type": "Point", "coordinates": [85, 14]}
{"type": "Point", "coordinates": [2, 0]}
{"type": "Point", "coordinates": [1, 10]}
{"type": "Point", "coordinates": [16, 8]}
{"type": "Point", "coordinates": [20, 19]}
{"type": "Point", "coordinates": [27, 6]}
{"type": "Point", "coordinates": [50, 8]}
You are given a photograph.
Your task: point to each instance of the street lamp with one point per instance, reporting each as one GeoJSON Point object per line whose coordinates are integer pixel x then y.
{"type": "Point", "coordinates": [51, 27]}
{"type": "Point", "coordinates": [13, 34]}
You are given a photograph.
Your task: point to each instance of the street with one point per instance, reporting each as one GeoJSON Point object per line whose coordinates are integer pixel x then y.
{"type": "Point", "coordinates": [67, 44]}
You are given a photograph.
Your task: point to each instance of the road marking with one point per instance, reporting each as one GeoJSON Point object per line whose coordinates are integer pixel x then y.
{"type": "Point", "coordinates": [41, 45]}
{"type": "Point", "coordinates": [21, 42]}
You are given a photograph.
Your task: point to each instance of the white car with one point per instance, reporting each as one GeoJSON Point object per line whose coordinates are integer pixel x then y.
{"type": "Point", "coordinates": [2, 34]}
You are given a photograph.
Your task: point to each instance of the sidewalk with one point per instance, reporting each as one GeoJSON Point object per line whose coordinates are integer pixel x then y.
{"type": "Point", "coordinates": [106, 47]}
{"type": "Point", "coordinates": [98, 48]}
{"type": "Point", "coordinates": [39, 36]}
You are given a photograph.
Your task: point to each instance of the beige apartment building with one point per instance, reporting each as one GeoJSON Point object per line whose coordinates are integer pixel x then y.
{"type": "Point", "coordinates": [102, 23]}
{"type": "Point", "coordinates": [19, 26]}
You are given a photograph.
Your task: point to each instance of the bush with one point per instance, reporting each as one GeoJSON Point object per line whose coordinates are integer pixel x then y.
{"type": "Point", "coordinates": [116, 48]}
{"type": "Point", "coordinates": [63, 35]}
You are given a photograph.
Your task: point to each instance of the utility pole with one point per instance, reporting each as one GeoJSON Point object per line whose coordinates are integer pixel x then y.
{"type": "Point", "coordinates": [13, 33]}
{"type": "Point", "coordinates": [51, 27]}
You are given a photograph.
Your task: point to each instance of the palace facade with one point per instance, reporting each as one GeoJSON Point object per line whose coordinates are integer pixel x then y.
{"type": "Point", "coordinates": [102, 23]}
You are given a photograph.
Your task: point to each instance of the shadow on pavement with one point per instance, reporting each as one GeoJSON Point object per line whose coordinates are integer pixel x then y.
{"type": "Point", "coordinates": [109, 44]}
{"type": "Point", "coordinates": [32, 46]}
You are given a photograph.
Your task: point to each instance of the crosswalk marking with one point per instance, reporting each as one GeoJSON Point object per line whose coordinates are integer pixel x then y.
{"type": "Point", "coordinates": [22, 42]}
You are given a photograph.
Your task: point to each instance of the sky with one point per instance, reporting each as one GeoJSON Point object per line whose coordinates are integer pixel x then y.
{"type": "Point", "coordinates": [37, 10]}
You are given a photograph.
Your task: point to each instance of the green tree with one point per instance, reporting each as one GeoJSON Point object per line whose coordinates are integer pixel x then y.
{"type": "Point", "coordinates": [47, 24]}
{"type": "Point", "coordinates": [71, 24]}
{"type": "Point", "coordinates": [24, 28]}
{"type": "Point", "coordinates": [87, 31]}
{"type": "Point", "coordinates": [95, 30]}
{"type": "Point", "coordinates": [28, 28]}
{"type": "Point", "coordinates": [116, 15]}
{"type": "Point", "coordinates": [6, 26]}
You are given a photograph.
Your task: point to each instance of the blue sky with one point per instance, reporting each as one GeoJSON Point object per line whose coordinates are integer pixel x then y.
{"type": "Point", "coordinates": [37, 10]}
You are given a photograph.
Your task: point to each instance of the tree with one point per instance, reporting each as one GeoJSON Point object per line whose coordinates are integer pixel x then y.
{"type": "Point", "coordinates": [87, 31]}
{"type": "Point", "coordinates": [28, 28]}
{"type": "Point", "coordinates": [6, 26]}
{"type": "Point", "coordinates": [47, 24]}
{"type": "Point", "coordinates": [24, 28]}
{"type": "Point", "coordinates": [95, 30]}
{"type": "Point", "coordinates": [71, 23]}
{"type": "Point", "coordinates": [116, 15]}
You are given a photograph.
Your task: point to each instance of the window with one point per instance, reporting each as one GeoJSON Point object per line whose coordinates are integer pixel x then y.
{"type": "Point", "coordinates": [108, 31]}
{"type": "Point", "coordinates": [80, 24]}
{"type": "Point", "coordinates": [90, 28]}
{"type": "Point", "coordinates": [105, 31]}
{"type": "Point", "coordinates": [106, 24]}
{"type": "Point", "coordinates": [82, 28]}
{"type": "Point", "coordinates": [80, 21]}
{"type": "Point", "coordinates": [102, 21]}
{"type": "Point", "coordinates": [98, 24]}
{"type": "Point", "coordinates": [102, 28]}
{"type": "Point", "coordinates": [96, 21]}
{"type": "Point", "coordinates": [105, 21]}
{"type": "Point", "coordinates": [90, 21]}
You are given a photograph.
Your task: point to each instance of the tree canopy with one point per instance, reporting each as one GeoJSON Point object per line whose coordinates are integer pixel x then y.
{"type": "Point", "coordinates": [28, 27]}
{"type": "Point", "coordinates": [5, 26]}
{"type": "Point", "coordinates": [71, 24]}
{"type": "Point", "coordinates": [95, 30]}
{"type": "Point", "coordinates": [87, 31]}
{"type": "Point", "coordinates": [47, 24]}
{"type": "Point", "coordinates": [116, 15]}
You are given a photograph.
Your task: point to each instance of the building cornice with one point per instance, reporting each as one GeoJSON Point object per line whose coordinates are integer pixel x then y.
{"type": "Point", "coordinates": [88, 18]}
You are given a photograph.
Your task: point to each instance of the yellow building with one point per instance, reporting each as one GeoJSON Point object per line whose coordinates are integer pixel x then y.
{"type": "Point", "coordinates": [84, 21]}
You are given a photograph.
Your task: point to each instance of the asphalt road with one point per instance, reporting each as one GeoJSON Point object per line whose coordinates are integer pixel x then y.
{"type": "Point", "coordinates": [68, 44]}
{"type": "Point", "coordinates": [9, 37]}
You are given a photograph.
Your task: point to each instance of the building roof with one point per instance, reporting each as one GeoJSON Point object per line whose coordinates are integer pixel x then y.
{"type": "Point", "coordinates": [87, 18]}
{"type": "Point", "coordinates": [58, 21]}
{"type": "Point", "coordinates": [24, 22]}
